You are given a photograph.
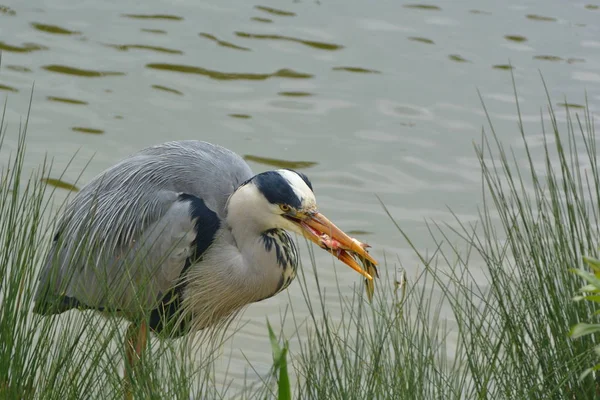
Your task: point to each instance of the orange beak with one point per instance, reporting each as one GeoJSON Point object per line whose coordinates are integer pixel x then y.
{"type": "Point", "coordinates": [318, 229]}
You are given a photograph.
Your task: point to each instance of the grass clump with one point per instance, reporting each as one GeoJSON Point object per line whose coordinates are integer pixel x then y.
{"type": "Point", "coordinates": [78, 354]}
{"type": "Point", "coordinates": [589, 292]}
{"type": "Point", "coordinates": [503, 337]}
{"type": "Point", "coordinates": [443, 334]}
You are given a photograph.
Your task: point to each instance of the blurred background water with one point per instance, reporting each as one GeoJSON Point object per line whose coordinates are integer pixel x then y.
{"type": "Point", "coordinates": [367, 98]}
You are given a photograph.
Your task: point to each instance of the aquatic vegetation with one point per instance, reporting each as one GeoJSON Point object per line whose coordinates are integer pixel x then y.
{"type": "Point", "coordinates": [440, 333]}
{"type": "Point", "coordinates": [590, 293]}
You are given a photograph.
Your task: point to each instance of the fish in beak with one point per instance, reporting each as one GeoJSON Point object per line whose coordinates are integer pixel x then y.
{"type": "Point", "coordinates": [319, 230]}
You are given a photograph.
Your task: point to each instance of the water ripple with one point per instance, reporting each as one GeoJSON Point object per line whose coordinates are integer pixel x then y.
{"type": "Point", "coordinates": [263, 20]}
{"type": "Point", "coordinates": [505, 67]}
{"type": "Point", "coordinates": [515, 38]}
{"type": "Point", "coordinates": [381, 136]}
{"type": "Point", "coordinates": [5, 10]}
{"type": "Point", "coordinates": [60, 184]}
{"type": "Point", "coordinates": [571, 105]}
{"type": "Point", "coordinates": [295, 94]}
{"type": "Point", "coordinates": [536, 17]}
{"type": "Point", "coordinates": [393, 109]}
{"type": "Point", "coordinates": [240, 116]}
{"type": "Point", "coordinates": [155, 31]}
{"type": "Point", "coordinates": [223, 42]}
{"type": "Point", "coordinates": [457, 58]}
{"type": "Point", "coordinates": [423, 7]}
{"type": "Point", "coordinates": [275, 11]}
{"type": "Point", "coordinates": [311, 106]}
{"type": "Point", "coordinates": [53, 29]}
{"type": "Point", "coordinates": [86, 73]}
{"type": "Point", "coordinates": [586, 76]}
{"type": "Point", "coordinates": [165, 17]}
{"type": "Point", "coordinates": [25, 48]}
{"type": "Point", "coordinates": [7, 88]}
{"type": "Point", "coordinates": [358, 70]}
{"type": "Point", "coordinates": [480, 12]}
{"type": "Point", "coordinates": [377, 136]}
{"type": "Point", "coordinates": [157, 49]}
{"type": "Point", "coordinates": [275, 162]}
{"type": "Point", "coordinates": [548, 58]}
{"type": "Point", "coordinates": [167, 89]}
{"type": "Point", "coordinates": [18, 68]}
{"type": "Point", "coordinates": [310, 43]}
{"type": "Point", "coordinates": [92, 131]}
{"type": "Point", "coordinates": [66, 100]}
{"type": "Point", "coordinates": [382, 26]}
{"type": "Point", "coordinates": [590, 43]}
{"type": "Point", "coordinates": [421, 40]}
{"type": "Point", "coordinates": [228, 76]}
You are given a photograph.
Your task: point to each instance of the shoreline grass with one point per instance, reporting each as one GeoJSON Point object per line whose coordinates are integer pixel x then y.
{"type": "Point", "coordinates": [504, 339]}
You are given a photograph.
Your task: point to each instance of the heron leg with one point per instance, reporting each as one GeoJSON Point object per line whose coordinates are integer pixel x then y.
{"type": "Point", "coordinates": [136, 340]}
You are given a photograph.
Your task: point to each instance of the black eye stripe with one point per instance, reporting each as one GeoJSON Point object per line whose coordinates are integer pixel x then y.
{"type": "Point", "coordinates": [277, 189]}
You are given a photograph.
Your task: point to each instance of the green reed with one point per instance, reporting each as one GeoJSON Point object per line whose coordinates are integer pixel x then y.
{"type": "Point", "coordinates": [505, 338]}
{"type": "Point", "coordinates": [438, 335]}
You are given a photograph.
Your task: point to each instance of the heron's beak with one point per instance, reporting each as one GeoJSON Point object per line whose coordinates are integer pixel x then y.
{"type": "Point", "coordinates": [318, 229]}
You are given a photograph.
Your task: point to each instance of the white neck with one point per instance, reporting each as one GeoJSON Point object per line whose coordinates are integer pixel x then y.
{"type": "Point", "coordinates": [237, 269]}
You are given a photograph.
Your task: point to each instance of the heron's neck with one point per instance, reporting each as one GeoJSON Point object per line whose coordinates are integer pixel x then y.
{"type": "Point", "coordinates": [243, 215]}
{"type": "Point", "coordinates": [242, 266]}
{"type": "Point", "coordinates": [268, 255]}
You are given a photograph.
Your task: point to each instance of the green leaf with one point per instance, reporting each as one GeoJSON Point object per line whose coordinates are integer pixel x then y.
{"type": "Point", "coordinates": [587, 371]}
{"type": "Point", "coordinates": [274, 346]}
{"type": "Point", "coordinates": [592, 263]}
{"type": "Point", "coordinates": [595, 298]}
{"type": "Point", "coordinates": [284, 387]}
{"type": "Point", "coordinates": [588, 276]}
{"type": "Point", "coordinates": [280, 365]}
{"type": "Point", "coordinates": [589, 289]}
{"type": "Point", "coordinates": [583, 329]}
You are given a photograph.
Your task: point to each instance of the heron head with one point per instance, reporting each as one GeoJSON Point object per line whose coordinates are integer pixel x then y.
{"type": "Point", "coordinates": [284, 199]}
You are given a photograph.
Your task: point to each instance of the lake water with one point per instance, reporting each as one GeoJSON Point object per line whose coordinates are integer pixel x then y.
{"type": "Point", "coordinates": [371, 98]}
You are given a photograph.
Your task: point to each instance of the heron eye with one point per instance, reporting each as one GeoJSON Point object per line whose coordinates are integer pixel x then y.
{"type": "Point", "coordinates": [284, 207]}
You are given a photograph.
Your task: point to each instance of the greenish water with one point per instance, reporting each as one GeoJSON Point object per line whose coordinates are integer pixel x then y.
{"type": "Point", "coordinates": [376, 98]}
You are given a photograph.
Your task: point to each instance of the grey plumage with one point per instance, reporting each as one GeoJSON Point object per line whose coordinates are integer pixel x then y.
{"type": "Point", "coordinates": [179, 237]}
{"type": "Point", "coordinates": [131, 211]}
{"type": "Point", "coordinates": [183, 231]}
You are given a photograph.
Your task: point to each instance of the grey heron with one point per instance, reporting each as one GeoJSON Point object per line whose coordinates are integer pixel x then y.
{"type": "Point", "coordinates": [185, 232]}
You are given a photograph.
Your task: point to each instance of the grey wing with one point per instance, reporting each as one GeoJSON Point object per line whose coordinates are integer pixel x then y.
{"type": "Point", "coordinates": [135, 273]}
{"type": "Point", "coordinates": [126, 237]}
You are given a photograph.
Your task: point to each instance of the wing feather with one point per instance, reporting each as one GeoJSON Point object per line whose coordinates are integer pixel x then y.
{"type": "Point", "coordinates": [126, 237]}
